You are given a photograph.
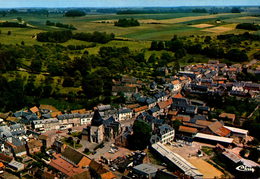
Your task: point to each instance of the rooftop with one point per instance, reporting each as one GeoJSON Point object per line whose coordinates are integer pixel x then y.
{"type": "Point", "coordinates": [214, 138]}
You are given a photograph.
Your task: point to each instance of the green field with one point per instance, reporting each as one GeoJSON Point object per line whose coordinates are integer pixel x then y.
{"type": "Point", "coordinates": [167, 26]}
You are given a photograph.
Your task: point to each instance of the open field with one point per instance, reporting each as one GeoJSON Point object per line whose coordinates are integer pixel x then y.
{"type": "Point", "coordinates": [205, 168]}
{"type": "Point", "coordinates": [202, 25]}
{"type": "Point", "coordinates": [153, 26]}
{"type": "Point", "coordinates": [220, 29]}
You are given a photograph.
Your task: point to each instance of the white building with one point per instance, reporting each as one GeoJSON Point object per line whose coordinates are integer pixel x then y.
{"type": "Point", "coordinates": [125, 114]}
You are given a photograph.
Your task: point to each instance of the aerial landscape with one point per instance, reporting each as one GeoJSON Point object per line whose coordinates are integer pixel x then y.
{"type": "Point", "coordinates": [139, 89]}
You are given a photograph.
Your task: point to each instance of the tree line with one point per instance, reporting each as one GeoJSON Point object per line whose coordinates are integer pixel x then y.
{"type": "Point", "coordinates": [63, 36]}
{"type": "Point", "coordinates": [127, 23]}
{"type": "Point", "coordinates": [248, 26]}
{"type": "Point", "coordinates": [12, 24]}
{"type": "Point", "coordinates": [181, 48]}
{"type": "Point", "coordinates": [61, 25]}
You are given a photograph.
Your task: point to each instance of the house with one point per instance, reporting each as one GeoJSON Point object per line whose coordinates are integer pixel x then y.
{"type": "Point", "coordinates": [187, 131]}
{"type": "Point", "coordinates": [161, 96]}
{"type": "Point", "coordinates": [16, 147]}
{"type": "Point", "coordinates": [85, 119]}
{"type": "Point", "coordinates": [150, 102]}
{"type": "Point", "coordinates": [11, 163]}
{"type": "Point", "coordinates": [154, 111]}
{"type": "Point", "coordinates": [64, 166]}
{"type": "Point", "coordinates": [227, 116]}
{"type": "Point", "coordinates": [164, 134]}
{"type": "Point", "coordinates": [127, 91]}
{"type": "Point", "coordinates": [34, 146]}
{"type": "Point", "coordinates": [139, 110]}
{"type": "Point", "coordinates": [165, 105]}
{"type": "Point", "coordinates": [176, 85]}
{"type": "Point", "coordinates": [146, 170]}
{"type": "Point", "coordinates": [46, 124]}
{"type": "Point", "coordinates": [112, 128]}
{"type": "Point", "coordinates": [69, 120]}
{"type": "Point", "coordinates": [17, 129]}
{"type": "Point", "coordinates": [47, 139]}
{"type": "Point", "coordinates": [122, 139]}
{"type": "Point", "coordinates": [75, 157]}
{"type": "Point", "coordinates": [35, 110]}
{"type": "Point", "coordinates": [125, 114]}
{"type": "Point", "coordinates": [97, 170]}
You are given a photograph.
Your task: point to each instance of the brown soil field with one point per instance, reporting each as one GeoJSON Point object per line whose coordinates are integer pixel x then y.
{"type": "Point", "coordinates": [202, 25]}
{"type": "Point", "coordinates": [219, 29]}
{"type": "Point", "coordinates": [205, 168]}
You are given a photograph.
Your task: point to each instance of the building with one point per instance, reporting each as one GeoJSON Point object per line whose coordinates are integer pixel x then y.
{"type": "Point", "coordinates": [96, 130]}
{"type": "Point", "coordinates": [34, 146]}
{"type": "Point", "coordinates": [227, 117]}
{"type": "Point", "coordinates": [176, 161]}
{"type": "Point", "coordinates": [212, 139]}
{"type": "Point", "coordinates": [237, 131]}
{"type": "Point", "coordinates": [165, 134]}
{"type": "Point", "coordinates": [75, 157]}
{"type": "Point", "coordinates": [97, 170]}
{"type": "Point", "coordinates": [46, 124]}
{"type": "Point", "coordinates": [125, 114]}
{"type": "Point", "coordinates": [217, 128]}
{"type": "Point", "coordinates": [65, 167]}
{"type": "Point", "coordinates": [146, 170]}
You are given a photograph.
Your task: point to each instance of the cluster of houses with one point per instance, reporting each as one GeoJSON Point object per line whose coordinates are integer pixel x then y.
{"type": "Point", "coordinates": [23, 132]}
{"type": "Point", "coordinates": [219, 78]}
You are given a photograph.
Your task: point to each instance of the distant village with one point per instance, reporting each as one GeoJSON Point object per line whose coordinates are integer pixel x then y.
{"type": "Point", "coordinates": [185, 142]}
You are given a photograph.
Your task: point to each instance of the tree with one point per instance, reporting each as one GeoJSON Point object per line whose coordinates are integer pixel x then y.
{"type": "Point", "coordinates": [36, 64]}
{"type": "Point", "coordinates": [160, 45]}
{"type": "Point", "coordinates": [141, 135]}
{"type": "Point", "coordinates": [235, 10]}
{"type": "Point", "coordinates": [207, 39]}
{"type": "Point", "coordinates": [152, 58]}
{"type": "Point", "coordinates": [237, 55]}
{"type": "Point", "coordinates": [154, 45]}
{"type": "Point", "coordinates": [75, 13]}
{"type": "Point", "coordinates": [180, 53]}
{"type": "Point", "coordinates": [19, 19]}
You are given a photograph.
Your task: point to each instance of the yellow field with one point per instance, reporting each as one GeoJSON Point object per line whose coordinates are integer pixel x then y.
{"type": "Point", "coordinates": [220, 29]}
{"type": "Point", "coordinates": [205, 168]}
{"type": "Point", "coordinates": [248, 17]}
{"type": "Point", "coordinates": [202, 25]}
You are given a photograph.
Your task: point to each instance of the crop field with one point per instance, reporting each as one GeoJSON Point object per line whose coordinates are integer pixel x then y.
{"type": "Point", "coordinates": [153, 26]}
{"type": "Point", "coordinates": [219, 30]}
{"type": "Point", "coordinates": [202, 25]}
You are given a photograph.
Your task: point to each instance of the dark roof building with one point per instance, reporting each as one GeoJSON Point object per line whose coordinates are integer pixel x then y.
{"type": "Point", "coordinates": [97, 119]}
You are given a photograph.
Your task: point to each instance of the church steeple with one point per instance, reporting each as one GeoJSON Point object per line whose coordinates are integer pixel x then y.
{"type": "Point", "coordinates": [97, 119]}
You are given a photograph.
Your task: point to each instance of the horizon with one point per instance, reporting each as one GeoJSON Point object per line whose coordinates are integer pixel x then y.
{"type": "Point", "coordinates": [123, 3]}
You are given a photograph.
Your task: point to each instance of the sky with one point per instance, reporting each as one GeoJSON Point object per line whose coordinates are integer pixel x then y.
{"type": "Point", "coordinates": [123, 3]}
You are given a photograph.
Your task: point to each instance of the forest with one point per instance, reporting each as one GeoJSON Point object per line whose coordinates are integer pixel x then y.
{"type": "Point", "coordinates": [64, 36]}
{"type": "Point", "coordinates": [127, 23]}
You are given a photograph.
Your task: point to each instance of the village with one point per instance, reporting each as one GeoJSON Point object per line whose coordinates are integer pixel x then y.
{"type": "Point", "coordinates": [192, 136]}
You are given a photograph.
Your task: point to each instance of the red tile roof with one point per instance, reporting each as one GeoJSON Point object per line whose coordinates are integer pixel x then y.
{"type": "Point", "coordinates": [178, 96]}
{"type": "Point", "coordinates": [165, 104]}
{"type": "Point", "coordinates": [139, 109]}
{"type": "Point", "coordinates": [64, 166]}
{"type": "Point", "coordinates": [188, 129]}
